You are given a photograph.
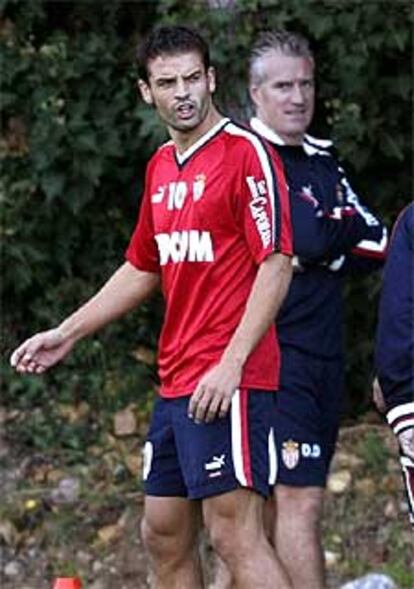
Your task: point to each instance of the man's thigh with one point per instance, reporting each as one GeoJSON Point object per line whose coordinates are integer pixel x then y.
{"type": "Point", "coordinates": [193, 460]}
{"type": "Point", "coordinates": [308, 407]}
{"type": "Point", "coordinates": [161, 471]}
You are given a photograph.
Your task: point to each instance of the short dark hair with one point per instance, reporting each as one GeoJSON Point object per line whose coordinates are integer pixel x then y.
{"type": "Point", "coordinates": [170, 40]}
{"type": "Point", "coordinates": [281, 41]}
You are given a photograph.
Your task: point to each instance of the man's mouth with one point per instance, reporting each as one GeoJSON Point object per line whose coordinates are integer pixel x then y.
{"type": "Point", "coordinates": [185, 110]}
{"type": "Point", "coordinates": [296, 113]}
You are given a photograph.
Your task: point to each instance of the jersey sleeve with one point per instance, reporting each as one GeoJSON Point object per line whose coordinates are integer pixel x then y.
{"type": "Point", "coordinates": [320, 235]}
{"type": "Point", "coordinates": [346, 236]}
{"type": "Point", "coordinates": [350, 229]}
{"type": "Point", "coordinates": [370, 250]}
{"type": "Point", "coordinates": [142, 251]}
{"type": "Point", "coordinates": [394, 355]}
{"type": "Point", "coordinates": [265, 203]}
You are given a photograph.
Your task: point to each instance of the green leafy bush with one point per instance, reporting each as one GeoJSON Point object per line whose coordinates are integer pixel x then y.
{"type": "Point", "coordinates": [75, 141]}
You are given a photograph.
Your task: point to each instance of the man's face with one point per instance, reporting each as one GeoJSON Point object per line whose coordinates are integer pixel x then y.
{"type": "Point", "coordinates": [285, 98]}
{"type": "Point", "coordinates": [180, 89]}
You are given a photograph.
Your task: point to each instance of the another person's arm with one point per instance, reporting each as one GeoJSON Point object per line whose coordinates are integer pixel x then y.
{"type": "Point", "coordinates": [126, 289]}
{"type": "Point", "coordinates": [403, 428]}
{"type": "Point", "coordinates": [394, 355]}
{"type": "Point", "coordinates": [346, 229]}
{"type": "Point", "coordinates": [395, 333]}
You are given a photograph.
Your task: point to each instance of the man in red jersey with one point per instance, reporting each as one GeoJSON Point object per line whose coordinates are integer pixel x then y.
{"type": "Point", "coordinates": [214, 231]}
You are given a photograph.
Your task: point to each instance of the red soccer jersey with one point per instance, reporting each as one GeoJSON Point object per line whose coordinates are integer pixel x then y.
{"type": "Point", "coordinates": [208, 218]}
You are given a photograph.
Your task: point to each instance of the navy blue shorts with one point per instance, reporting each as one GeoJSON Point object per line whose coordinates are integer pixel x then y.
{"type": "Point", "coordinates": [185, 459]}
{"type": "Point", "coordinates": [308, 407]}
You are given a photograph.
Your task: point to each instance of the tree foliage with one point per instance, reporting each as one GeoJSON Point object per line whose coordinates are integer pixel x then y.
{"type": "Point", "coordinates": [75, 140]}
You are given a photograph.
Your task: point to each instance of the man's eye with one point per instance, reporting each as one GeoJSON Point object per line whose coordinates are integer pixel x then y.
{"type": "Point", "coordinates": [283, 85]}
{"type": "Point", "coordinates": [164, 83]}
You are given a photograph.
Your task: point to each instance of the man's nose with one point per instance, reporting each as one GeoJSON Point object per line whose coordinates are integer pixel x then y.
{"type": "Point", "coordinates": [181, 89]}
{"type": "Point", "coordinates": [297, 94]}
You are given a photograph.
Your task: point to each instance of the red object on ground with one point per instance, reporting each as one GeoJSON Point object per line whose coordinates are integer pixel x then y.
{"type": "Point", "coordinates": [67, 583]}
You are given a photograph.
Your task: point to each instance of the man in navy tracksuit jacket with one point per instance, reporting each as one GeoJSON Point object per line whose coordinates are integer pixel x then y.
{"type": "Point", "coordinates": [331, 232]}
{"type": "Point", "coordinates": [394, 357]}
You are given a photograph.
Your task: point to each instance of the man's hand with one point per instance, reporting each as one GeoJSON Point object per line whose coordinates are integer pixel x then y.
{"type": "Point", "coordinates": [406, 441]}
{"type": "Point", "coordinates": [40, 352]}
{"type": "Point", "coordinates": [405, 438]}
{"type": "Point", "coordinates": [378, 397]}
{"type": "Point", "coordinates": [213, 394]}
{"type": "Point", "coordinates": [125, 289]}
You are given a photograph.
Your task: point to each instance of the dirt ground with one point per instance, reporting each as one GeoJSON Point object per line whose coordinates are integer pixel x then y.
{"type": "Point", "coordinates": [62, 519]}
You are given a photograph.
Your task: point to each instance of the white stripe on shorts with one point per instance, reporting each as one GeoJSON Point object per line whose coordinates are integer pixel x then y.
{"type": "Point", "coordinates": [236, 439]}
{"type": "Point", "coordinates": [272, 457]}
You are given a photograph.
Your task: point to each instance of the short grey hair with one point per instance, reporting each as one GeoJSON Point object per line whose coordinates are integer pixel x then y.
{"type": "Point", "coordinates": [281, 41]}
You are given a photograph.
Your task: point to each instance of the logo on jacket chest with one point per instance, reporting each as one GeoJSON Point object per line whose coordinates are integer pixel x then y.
{"type": "Point", "coordinates": [175, 194]}
{"type": "Point", "coordinates": [306, 193]}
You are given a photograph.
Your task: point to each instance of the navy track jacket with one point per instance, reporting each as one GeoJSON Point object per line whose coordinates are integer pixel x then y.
{"type": "Point", "coordinates": [394, 357]}
{"type": "Point", "coordinates": [332, 232]}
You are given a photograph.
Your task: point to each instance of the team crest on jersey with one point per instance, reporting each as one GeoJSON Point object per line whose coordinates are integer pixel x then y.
{"type": "Point", "coordinates": [290, 454]}
{"type": "Point", "coordinates": [198, 186]}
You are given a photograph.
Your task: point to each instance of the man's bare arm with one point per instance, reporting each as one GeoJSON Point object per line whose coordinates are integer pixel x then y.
{"type": "Point", "coordinates": [126, 289]}
{"type": "Point", "coordinates": [213, 394]}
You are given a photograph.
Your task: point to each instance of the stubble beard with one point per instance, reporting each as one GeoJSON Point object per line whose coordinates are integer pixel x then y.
{"type": "Point", "coordinates": [200, 113]}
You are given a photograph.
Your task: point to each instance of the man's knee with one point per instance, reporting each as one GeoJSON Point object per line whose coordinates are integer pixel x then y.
{"type": "Point", "coordinates": [222, 536]}
{"type": "Point", "coordinates": [233, 525]}
{"type": "Point", "coordinates": [167, 536]}
{"type": "Point", "coordinates": [159, 541]}
{"type": "Point", "coordinates": [304, 503]}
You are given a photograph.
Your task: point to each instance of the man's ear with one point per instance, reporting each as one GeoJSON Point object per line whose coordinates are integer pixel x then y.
{"type": "Point", "coordinates": [253, 91]}
{"type": "Point", "coordinates": [145, 91]}
{"type": "Point", "coordinates": [211, 76]}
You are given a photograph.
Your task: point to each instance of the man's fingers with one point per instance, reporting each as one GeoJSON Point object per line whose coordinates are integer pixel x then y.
{"type": "Point", "coordinates": [202, 408]}
{"type": "Point", "coordinates": [192, 406]}
{"type": "Point", "coordinates": [225, 406]}
{"type": "Point", "coordinates": [40, 352]}
{"type": "Point", "coordinates": [204, 404]}
{"type": "Point", "coordinates": [213, 409]}
{"type": "Point", "coordinates": [406, 440]}
{"type": "Point", "coordinates": [408, 450]}
{"type": "Point", "coordinates": [207, 405]}
{"type": "Point", "coordinates": [17, 356]}
{"type": "Point", "coordinates": [26, 364]}
{"type": "Point", "coordinates": [30, 366]}
{"type": "Point", "coordinates": [24, 353]}
{"type": "Point", "coordinates": [198, 404]}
